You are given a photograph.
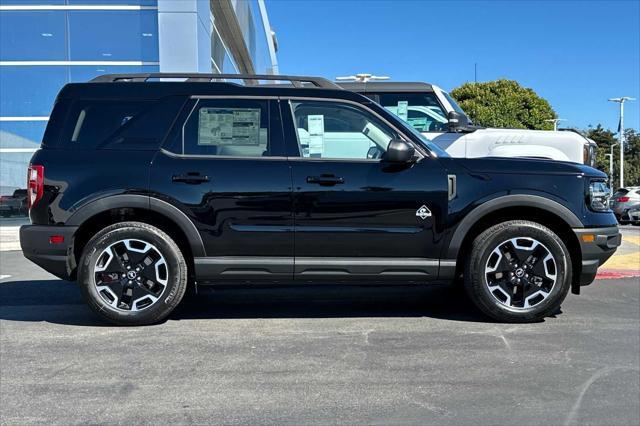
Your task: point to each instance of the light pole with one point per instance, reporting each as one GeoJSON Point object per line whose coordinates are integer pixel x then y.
{"type": "Point", "coordinates": [610, 155]}
{"type": "Point", "coordinates": [621, 101]}
{"type": "Point", "coordinates": [555, 122]}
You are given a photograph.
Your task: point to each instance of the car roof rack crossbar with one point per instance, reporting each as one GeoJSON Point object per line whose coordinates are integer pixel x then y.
{"type": "Point", "coordinates": [296, 81]}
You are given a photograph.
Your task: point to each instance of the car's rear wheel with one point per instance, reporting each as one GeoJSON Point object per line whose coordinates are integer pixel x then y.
{"type": "Point", "coordinates": [518, 271]}
{"type": "Point", "coordinates": [132, 273]}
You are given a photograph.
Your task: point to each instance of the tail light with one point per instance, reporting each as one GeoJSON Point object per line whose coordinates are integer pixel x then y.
{"type": "Point", "coordinates": [622, 199]}
{"type": "Point", "coordinates": [35, 184]}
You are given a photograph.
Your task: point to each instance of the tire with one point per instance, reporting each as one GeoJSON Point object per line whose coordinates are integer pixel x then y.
{"type": "Point", "coordinates": [138, 253]}
{"type": "Point", "coordinates": [527, 245]}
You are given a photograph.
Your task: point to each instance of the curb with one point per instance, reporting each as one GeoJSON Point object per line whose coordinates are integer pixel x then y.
{"type": "Point", "coordinates": [613, 274]}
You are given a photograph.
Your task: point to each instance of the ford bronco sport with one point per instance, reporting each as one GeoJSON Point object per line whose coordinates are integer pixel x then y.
{"type": "Point", "coordinates": [145, 184]}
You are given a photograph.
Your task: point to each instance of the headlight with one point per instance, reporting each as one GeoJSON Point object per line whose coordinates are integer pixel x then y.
{"type": "Point", "coordinates": [599, 196]}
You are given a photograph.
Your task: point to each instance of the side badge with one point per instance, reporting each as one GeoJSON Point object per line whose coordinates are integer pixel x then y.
{"type": "Point", "coordinates": [423, 212]}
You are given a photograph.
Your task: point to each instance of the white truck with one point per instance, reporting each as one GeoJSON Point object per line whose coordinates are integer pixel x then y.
{"type": "Point", "coordinates": [435, 114]}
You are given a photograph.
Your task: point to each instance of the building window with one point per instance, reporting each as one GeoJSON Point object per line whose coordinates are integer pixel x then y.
{"type": "Point", "coordinates": [30, 91]}
{"type": "Point", "coordinates": [32, 35]}
{"type": "Point", "coordinates": [113, 35]}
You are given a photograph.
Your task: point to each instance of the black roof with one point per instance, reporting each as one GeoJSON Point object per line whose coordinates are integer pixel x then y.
{"type": "Point", "coordinates": [387, 86]}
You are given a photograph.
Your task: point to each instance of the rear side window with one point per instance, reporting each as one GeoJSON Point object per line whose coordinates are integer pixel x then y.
{"type": "Point", "coordinates": [118, 124]}
{"type": "Point", "coordinates": [229, 128]}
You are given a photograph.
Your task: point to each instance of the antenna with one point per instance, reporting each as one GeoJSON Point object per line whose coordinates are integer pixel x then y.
{"type": "Point", "coordinates": [362, 78]}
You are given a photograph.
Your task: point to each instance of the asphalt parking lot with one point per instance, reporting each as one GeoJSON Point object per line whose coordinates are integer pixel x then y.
{"type": "Point", "coordinates": [316, 356]}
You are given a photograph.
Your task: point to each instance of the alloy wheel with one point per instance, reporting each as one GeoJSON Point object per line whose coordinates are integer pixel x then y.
{"type": "Point", "coordinates": [131, 275]}
{"type": "Point", "coordinates": [521, 272]}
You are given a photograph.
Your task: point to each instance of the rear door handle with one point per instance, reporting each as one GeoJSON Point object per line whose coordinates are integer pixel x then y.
{"type": "Point", "coordinates": [192, 178]}
{"type": "Point", "coordinates": [325, 180]}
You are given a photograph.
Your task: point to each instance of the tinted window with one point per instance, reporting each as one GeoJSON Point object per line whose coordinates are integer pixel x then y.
{"type": "Point", "coordinates": [238, 128]}
{"type": "Point", "coordinates": [420, 110]}
{"type": "Point", "coordinates": [333, 130]}
{"type": "Point", "coordinates": [111, 124]}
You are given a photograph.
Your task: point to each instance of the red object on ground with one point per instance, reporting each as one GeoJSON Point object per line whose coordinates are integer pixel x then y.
{"type": "Point", "coordinates": [612, 274]}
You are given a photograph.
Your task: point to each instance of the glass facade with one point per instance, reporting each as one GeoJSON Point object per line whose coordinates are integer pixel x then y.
{"type": "Point", "coordinates": [45, 44]}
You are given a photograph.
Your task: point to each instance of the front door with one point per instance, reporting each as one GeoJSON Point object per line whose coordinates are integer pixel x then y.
{"type": "Point", "coordinates": [357, 215]}
{"type": "Point", "coordinates": [224, 167]}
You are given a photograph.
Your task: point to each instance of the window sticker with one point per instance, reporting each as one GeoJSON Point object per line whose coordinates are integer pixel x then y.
{"type": "Point", "coordinates": [418, 123]}
{"type": "Point", "coordinates": [316, 135]}
{"type": "Point", "coordinates": [225, 126]}
{"type": "Point", "coordinates": [403, 109]}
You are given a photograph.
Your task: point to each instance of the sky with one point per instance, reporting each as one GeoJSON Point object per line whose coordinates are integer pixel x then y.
{"type": "Point", "coordinates": [575, 54]}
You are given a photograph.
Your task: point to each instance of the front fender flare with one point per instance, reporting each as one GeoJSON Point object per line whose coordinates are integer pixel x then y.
{"type": "Point", "coordinates": [518, 200]}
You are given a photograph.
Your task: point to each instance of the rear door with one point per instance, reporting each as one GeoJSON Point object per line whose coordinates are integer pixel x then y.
{"type": "Point", "coordinates": [224, 167]}
{"type": "Point", "coordinates": [356, 215]}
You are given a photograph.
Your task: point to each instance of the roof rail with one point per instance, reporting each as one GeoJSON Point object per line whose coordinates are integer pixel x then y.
{"type": "Point", "coordinates": [296, 81]}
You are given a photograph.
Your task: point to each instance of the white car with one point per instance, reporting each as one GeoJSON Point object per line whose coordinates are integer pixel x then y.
{"type": "Point", "coordinates": [431, 111]}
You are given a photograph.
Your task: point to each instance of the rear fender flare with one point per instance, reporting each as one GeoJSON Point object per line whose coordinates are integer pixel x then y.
{"type": "Point", "coordinates": [142, 202]}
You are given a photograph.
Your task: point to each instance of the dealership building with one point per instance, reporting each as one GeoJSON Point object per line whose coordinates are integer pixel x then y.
{"type": "Point", "coordinates": [45, 44]}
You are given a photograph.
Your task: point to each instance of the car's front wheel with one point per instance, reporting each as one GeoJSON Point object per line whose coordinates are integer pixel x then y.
{"type": "Point", "coordinates": [132, 273]}
{"type": "Point", "coordinates": [518, 271]}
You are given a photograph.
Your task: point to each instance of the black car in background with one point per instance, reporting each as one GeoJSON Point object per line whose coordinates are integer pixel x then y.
{"type": "Point", "coordinates": [14, 204]}
{"type": "Point", "coordinates": [144, 185]}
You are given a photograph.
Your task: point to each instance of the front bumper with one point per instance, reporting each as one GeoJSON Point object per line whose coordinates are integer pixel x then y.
{"type": "Point", "coordinates": [57, 259]}
{"type": "Point", "coordinates": [597, 245]}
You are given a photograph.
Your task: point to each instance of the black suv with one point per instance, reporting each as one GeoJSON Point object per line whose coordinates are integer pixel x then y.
{"type": "Point", "coordinates": [145, 184]}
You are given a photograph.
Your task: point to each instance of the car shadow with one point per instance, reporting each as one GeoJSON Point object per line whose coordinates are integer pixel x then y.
{"type": "Point", "coordinates": [58, 301]}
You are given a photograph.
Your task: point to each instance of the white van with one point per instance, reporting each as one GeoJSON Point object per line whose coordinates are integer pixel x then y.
{"type": "Point", "coordinates": [435, 114]}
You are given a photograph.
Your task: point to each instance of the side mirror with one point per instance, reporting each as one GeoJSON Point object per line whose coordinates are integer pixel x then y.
{"type": "Point", "coordinates": [457, 121]}
{"type": "Point", "coordinates": [399, 151]}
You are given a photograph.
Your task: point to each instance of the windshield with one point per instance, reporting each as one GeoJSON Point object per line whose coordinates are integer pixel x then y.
{"type": "Point", "coordinates": [432, 146]}
{"type": "Point", "coordinates": [421, 110]}
{"type": "Point", "coordinates": [439, 152]}
{"type": "Point", "coordinates": [453, 103]}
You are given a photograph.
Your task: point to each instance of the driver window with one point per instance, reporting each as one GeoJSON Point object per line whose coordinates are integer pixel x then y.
{"type": "Point", "coordinates": [334, 130]}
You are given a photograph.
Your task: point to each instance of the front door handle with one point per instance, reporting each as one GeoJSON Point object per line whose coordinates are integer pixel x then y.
{"type": "Point", "coordinates": [192, 178]}
{"type": "Point", "coordinates": [325, 180]}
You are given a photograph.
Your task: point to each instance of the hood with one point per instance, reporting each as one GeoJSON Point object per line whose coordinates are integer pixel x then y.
{"type": "Point", "coordinates": [526, 166]}
{"type": "Point", "coordinates": [556, 145]}
{"type": "Point", "coordinates": [526, 135]}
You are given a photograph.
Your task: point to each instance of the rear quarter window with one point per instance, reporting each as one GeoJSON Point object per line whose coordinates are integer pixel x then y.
{"type": "Point", "coordinates": [118, 124]}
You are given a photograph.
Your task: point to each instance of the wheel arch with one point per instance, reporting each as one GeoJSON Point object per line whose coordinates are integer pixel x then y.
{"type": "Point", "coordinates": [109, 210]}
{"type": "Point", "coordinates": [538, 209]}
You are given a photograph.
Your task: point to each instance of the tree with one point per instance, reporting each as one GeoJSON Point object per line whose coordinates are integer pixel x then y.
{"type": "Point", "coordinates": [504, 103]}
{"type": "Point", "coordinates": [604, 139]}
